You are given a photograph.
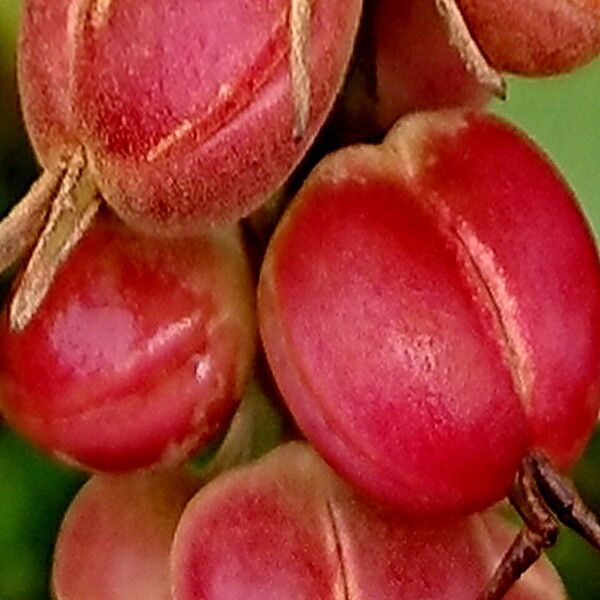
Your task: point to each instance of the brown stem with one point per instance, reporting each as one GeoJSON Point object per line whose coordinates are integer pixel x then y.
{"type": "Point", "coordinates": [523, 552]}
{"type": "Point", "coordinates": [466, 46]}
{"type": "Point", "coordinates": [72, 212]}
{"type": "Point", "coordinates": [564, 500]}
{"type": "Point", "coordinates": [540, 532]}
{"type": "Point", "coordinates": [542, 496]}
{"type": "Point", "coordinates": [21, 227]}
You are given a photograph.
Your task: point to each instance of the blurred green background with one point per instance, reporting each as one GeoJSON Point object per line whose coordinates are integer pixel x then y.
{"type": "Point", "coordinates": [561, 114]}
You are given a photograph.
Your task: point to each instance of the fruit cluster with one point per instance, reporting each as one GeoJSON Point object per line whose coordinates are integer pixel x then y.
{"type": "Point", "coordinates": [418, 294]}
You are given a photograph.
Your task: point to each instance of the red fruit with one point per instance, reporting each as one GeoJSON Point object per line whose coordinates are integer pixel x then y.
{"type": "Point", "coordinates": [286, 528]}
{"type": "Point", "coordinates": [430, 308]}
{"type": "Point", "coordinates": [115, 539]}
{"type": "Point", "coordinates": [189, 112]}
{"type": "Point", "coordinates": [138, 354]}
{"type": "Point", "coordinates": [417, 67]}
{"type": "Point", "coordinates": [535, 37]}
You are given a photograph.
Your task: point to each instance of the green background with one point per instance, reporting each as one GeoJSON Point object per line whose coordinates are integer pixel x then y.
{"type": "Point", "coordinates": [562, 114]}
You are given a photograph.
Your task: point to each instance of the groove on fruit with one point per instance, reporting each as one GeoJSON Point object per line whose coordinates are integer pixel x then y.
{"type": "Point", "coordinates": [506, 310]}
{"type": "Point", "coordinates": [488, 281]}
{"type": "Point", "coordinates": [20, 229]}
{"type": "Point", "coordinates": [300, 15]}
{"type": "Point", "coordinates": [339, 550]}
{"type": "Point", "coordinates": [232, 97]}
{"type": "Point", "coordinates": [461, 39]}
{"type": "Point", "coordinates": [180, 131]}
{"type": "Point", "coordinates": [72, 212]}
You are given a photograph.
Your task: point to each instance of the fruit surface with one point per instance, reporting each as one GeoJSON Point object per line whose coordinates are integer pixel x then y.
{"type": "Point", "coordinates": [535, 37]}
{"type": "Point", "coordinates": [289, 529]}
{"type": "Point", "coordinates": [115, 539]}
{"type": "Point", "coordinates": [187, 111]}
{"type": "Point", "coordinates": [417, 68]}
{"type": "Point", "coordinates": [430, 308]}
{"type": "Point", "coordinates": [139, 353]}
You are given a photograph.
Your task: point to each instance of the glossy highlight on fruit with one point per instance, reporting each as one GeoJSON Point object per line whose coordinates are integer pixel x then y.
{"type": "Point", "coordinates": [190, 113]}
{"type": "Point", "coordinates": [430, 309]}
{"type": "Point", "coordinates": [285, 528]}
{"type": "Point", "coordinates": [140, 352]}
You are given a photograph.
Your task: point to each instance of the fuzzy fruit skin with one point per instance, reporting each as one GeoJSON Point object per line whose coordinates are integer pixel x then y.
{"type": "Point", "coordinates": [43, 76]}
{"type": "Point", "coordinates": [290, 530]}
{"type": "Point", "coordinates": [185, 109]}
{"type": "Point", "coordinates": [139, 353]}
{"type": "Point", "coordinates": [260, 532]}
{"type": "Point", "coordinates": [416, 66]}
{"type": "Point", "coordinates": [535, 37]}
{"type": "Point", "coordinates": [115, 539]}
{"type": "Point", "coordinates": [430, 309]}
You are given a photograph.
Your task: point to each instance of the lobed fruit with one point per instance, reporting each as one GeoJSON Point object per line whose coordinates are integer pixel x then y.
{"type": "Point", "coordinates": [535, 37]}
{"type": "Point", "coordinates": [187, 112]}
{"type": "Point", "coordinates": [139, 352]}
{"type": "Point", "coordinates": [286, 528]}
{"type": "Point", "coordinates": [430, 309]}
{"type": "Point", "coordinates": [417, 67]}
{"type": "Point", "coordinates": [115, 539]}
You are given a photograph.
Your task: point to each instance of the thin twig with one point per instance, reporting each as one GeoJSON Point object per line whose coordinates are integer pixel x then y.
{"type": "Point", "coordinates": [564, 500]}
{"type": "Point", "coordinates": [540, 532]}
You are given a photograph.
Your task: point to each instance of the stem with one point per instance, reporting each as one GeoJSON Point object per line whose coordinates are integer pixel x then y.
{"type": "Point", "coordinates": [21, 227]}
{"type": "Point", "coordinates": [471, 55]}
{"type": "Point", "coordinates": [540, 532]}
{"type": "Point", "coordinates": [562, 497]}
{"type": "Point", "coordinates": [542, 497]}
{"type": "Point", "coordinates": [72, 212]}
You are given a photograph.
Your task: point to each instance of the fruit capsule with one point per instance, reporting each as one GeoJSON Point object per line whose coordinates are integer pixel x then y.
{"type": "Point", "coordinates": [139, 352]}
{"type": "Point", "coordinates": [189, 113]}
{"type": "Point", "coordinates": [416, 66]}
{"type": "Point", "coordinates": [430, 309]}
{"type": "Point", "coordinates": [285, 528]}
{"type": "Point", "coordinates": [534, 37]}
{"type": "Point", "coordinates": [115, 539]}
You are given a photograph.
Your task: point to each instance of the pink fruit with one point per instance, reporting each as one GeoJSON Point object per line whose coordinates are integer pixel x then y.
{"type": "Point", "coordinates": [430, 309]}
{"type": "Point", "coordinates": [115, 540]}
{"type": "Point", "coordinates": [285, 528]}
{"type": "Point", "coordinates": [535, 37]}
{"type": "Point", "coordinates": [139, 353]}
{"type": "Point", "coordinates": [417, 68]}
{"type": "Point", "coordinates": [189, 112]}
